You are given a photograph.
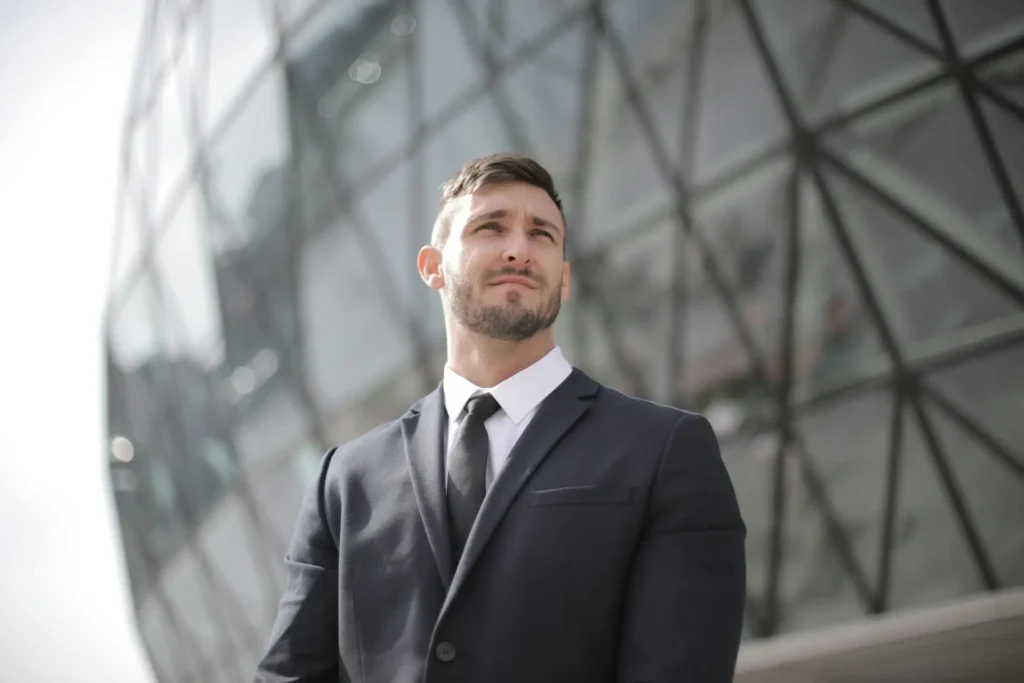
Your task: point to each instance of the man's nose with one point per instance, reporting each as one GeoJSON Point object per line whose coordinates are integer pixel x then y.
{"type": "Point", "coordinates": [517, 246]}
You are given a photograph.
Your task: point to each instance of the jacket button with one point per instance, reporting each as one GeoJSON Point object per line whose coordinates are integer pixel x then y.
{"type": "Point", "coordinates": [445, 652]}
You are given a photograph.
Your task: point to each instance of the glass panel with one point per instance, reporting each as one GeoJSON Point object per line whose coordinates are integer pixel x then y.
{"type": "Point", "coordinates": [449, 65]}
{"type": "Point", "coordinates": [994, 494]}
{"type": "Point", "coordinates": [1007, 75]}
{"type": "Point", "coordinates": [931, 154]}
{"type": "Point", "coordinates": [128, 245]}
{"type": "Point", "coordinates": [163, 645]}
{"type": "Point", "coordinates": [334, 267]}
{"type": "Point", "coordinates": [241, 42]}
{"type": "Point", "coordinates": [278, 487]}
{"type": "Point", "coordinates": [934, 292]}
{"type": "Point", "coordinates": [932, 561]}
{"type": "Point", "coordinates": [292, 11]}
{"type": "Point", "coordinates": [738, 114]}
{"type": "Point", "coordinates": [133, 334]}
{"type": "Point", "coordinates": [747, 227]}
{"type": "Point", "coordinates": [980, 24]}
{"type": "Point", "coordinates": [658, 37]}
{"type": "Point", "coordinates": [854, 472]}
{"type": "Point", "coordinates": [545, 95]}
{"type": "Point", "coordinates": [617, 326]}
{"type": "Point", "coordinates": [1008, 132]}
{"type": "Point", "coordinates": [352, 84]}
{"type": "Point", "coordinates": [815, 588]}
{"type": "Point", "coordinates": [909, 15]}
{"type": "Point", "coordinates": [835, 337]}
{"type": "Point", "coordinates": [170, 115]}
{"type": "Point", "coordinates": [624, 183]}
{"type": "Point", "coordinates": [506, 24]}
{"type": "Point", "coordinates": [198, 608]}
{"type": "Point", "coordinates": [189, 305]}
{"type": "Point", "coordinates": [834, 60]}
{"type": "Point", "coordinates": [990, 390]}
{"type": "Point", "coordinates": [476, 133]}
{"type": "Point", "coordinates": [226, 541]}
{"type": "Point", "coordinates": [248, 162]}
{"type": "Point", "coordinates": [750, 461]}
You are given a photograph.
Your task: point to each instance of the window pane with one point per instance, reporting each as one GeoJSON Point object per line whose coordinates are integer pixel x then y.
{"type": "Point", "coordinates": [241, 41]}
{"type": "Point", "coordinates": [981, 24]}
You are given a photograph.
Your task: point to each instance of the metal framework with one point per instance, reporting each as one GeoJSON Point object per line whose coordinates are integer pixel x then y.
{"type": "Point", "coordinates": [171, 404]}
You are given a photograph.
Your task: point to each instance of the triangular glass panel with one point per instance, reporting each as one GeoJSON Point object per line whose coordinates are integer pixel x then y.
{"type": "Point", "coordinates": [660, 41]}
{"type": "Point", "coordinates": [507, 25]}
{"type": "Point", "coordinates": [931, 561]}
{"type": "Point", "coordinates": [175, 147]}
{"type": "Point", "coordinates": [746, 225]}
{"type": "Point", "coordinates": [993, 492]}
{"type": "Point", "coordinates": [617, 322]}
{"type": "Point", "coordinates": [927, 152]}
{"type": "Point", "coordinates": [910, 15]}
{"type": "Point", "coordinates": [1008, 132]}
{"type": "Point", "coordinates": [449, 64]}
{"type": "Point", "coordinates": [738, 113]}
{"type": "Point", "coordinates": [750, 459]}
{"type": "Point", "coordinates": [835, 60]}
{"type": "Point", "coordinates": [625, 184]}
{"type": "Point", "coordinates": [987, 390]}
{"type": "Point", "coordinates": [128, 240]}
{"type": "Point", "coordinates": [477, 132]}
{"type": "Point", "coordinates": [189, 305]}
{"type": "Point", "coordinates": [853, 472]}
{"type": "Point", "coordinates": [242, 40]}
{"type": "Point", "coordinates": [816, 587]}
{"type": "Point", "coordinates": [134, 336]}
{"type": "Point", "coordinates": [928, 291]}
{"type": "Point", "coordinates": [334, 265]}
{"type": "Point", "coordinates": [982, 24]}
{"type": "Point", "coordinates": [1007, 76]}
{"type": "Point", "coordinates": [835, 338]}
{"type": "Point", "coordinates": [545, 95]}
{"type": "Point", "coordinates": [249, 162]}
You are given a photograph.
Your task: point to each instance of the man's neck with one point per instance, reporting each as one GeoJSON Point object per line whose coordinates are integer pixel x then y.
{"type": "Point", "coordinates": [488, 362]}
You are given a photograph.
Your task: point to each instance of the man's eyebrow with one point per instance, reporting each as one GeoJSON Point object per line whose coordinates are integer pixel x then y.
{"type": "Point", "coordinates": [502, 213]}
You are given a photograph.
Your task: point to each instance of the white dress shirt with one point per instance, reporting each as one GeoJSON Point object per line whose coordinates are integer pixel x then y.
{"type": "Point", "coordinates": [519, 396]}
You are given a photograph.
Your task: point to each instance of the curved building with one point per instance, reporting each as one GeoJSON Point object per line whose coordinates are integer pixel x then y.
{"type": "Point", "coordinates": [802, 218]}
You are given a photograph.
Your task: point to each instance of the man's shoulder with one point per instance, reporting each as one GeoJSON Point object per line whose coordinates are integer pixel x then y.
{"type": "Point", "coordinates": [612, 399]}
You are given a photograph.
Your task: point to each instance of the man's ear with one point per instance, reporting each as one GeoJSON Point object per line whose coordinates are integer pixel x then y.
{"type": "Point", "coordinates": [565, 281]}
{"type": "Point", "coordinates": [428, 262]}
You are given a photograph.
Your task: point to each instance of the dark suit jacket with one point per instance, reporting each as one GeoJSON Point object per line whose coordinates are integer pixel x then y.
{"type": "Point", "coordinates": [610, 549]}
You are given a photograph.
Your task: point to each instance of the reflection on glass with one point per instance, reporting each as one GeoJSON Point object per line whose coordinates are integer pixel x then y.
{"type": "Point", "coordinates": [242, 39]}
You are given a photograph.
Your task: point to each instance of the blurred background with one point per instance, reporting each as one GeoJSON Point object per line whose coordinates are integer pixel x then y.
{"type": "Point", "coordinates": [802, 218]}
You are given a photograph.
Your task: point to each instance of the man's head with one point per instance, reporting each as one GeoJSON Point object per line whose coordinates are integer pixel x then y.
{"type": "Point", "coordinates": [497, 251]}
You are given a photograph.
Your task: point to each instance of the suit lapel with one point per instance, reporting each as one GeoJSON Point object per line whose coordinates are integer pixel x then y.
{"type": "Point", "coordinates": [423, 431]}
{"type": "Point", "coordinates": [555, 416]}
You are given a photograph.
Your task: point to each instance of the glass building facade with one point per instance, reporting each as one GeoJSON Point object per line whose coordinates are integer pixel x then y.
{"type": "Point", "coordinates": [802, 218]}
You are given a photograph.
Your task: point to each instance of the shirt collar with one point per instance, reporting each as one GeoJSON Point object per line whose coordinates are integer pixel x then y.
{"type": "Point", "coordinates": [518, 395]}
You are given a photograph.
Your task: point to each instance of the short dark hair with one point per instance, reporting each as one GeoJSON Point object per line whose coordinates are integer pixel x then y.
{"type": "Point", "coordinates": [503, 167]}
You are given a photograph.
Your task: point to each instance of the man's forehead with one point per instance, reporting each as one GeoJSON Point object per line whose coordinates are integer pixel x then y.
{"type": "Point", "coordinates": [508, 197]}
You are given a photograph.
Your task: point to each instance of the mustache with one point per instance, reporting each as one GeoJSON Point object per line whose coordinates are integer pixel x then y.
{"type": "Point", "coordinates": [509, 271]}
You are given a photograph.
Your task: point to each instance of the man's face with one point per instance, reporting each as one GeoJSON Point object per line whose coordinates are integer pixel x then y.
{"type": "Point", "coordinates": [503, 262]}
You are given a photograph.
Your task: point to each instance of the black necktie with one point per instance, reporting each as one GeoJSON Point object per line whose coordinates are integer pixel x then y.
{"type": "Point", "coordinates": [467, 469]}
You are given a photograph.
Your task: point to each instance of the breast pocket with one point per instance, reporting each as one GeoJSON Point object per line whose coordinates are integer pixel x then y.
{"type": "Point", "coordinates": [583, 495]}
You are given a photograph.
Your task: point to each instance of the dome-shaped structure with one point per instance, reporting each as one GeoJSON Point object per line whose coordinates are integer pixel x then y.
{"type": "Point", "coordinates": [802, 218]}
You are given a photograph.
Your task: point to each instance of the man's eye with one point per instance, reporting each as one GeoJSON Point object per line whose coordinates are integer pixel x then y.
{"type": "Point", "coordinates": [544, 233]}
{"type": "Point", "coordinates": [488, 226]}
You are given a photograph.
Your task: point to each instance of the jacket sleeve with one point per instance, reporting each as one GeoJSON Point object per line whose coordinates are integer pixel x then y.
{"type": "Point", "coordinates": [303, 645]}
{"type": "Point", "coordinates": [683, 612]}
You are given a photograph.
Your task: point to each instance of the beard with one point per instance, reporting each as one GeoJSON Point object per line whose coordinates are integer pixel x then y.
{"type": "Point", "coordinates": [511, 321]}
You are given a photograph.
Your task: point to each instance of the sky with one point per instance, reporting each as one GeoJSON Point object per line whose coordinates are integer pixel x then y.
{"type": "Point", "coordinates": [65, 68]}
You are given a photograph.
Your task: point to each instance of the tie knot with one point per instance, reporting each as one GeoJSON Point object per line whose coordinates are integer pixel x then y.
{"type": "Point", "coordinates": [482, 406]}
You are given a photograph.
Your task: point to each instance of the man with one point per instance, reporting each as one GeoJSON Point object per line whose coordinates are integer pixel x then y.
{"type": "Point", "coordinates": [521, 523]}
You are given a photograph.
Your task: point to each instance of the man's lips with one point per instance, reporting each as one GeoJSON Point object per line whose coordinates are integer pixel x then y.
{"type": "Point", "coordinates": [513, 280]}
